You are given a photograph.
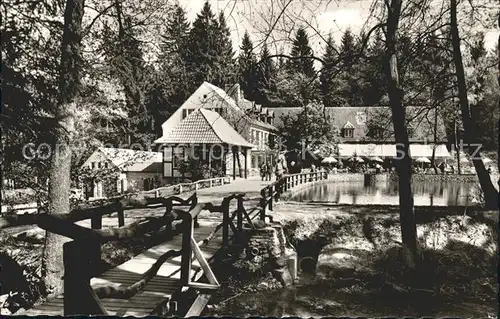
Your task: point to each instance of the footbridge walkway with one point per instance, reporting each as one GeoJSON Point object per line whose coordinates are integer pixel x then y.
{"type": "Point", "coordinates": [171, 278]}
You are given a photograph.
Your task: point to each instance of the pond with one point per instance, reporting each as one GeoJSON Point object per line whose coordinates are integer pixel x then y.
{"type": "Point", "coordinates": [428, 193]}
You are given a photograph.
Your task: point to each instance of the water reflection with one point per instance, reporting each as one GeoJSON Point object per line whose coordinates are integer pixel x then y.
{"type": "Point", "coordinates": [438, 193]}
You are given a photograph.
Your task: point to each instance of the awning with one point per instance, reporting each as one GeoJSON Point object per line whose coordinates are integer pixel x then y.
{"type": "Point", "coordinates": [389, 150]}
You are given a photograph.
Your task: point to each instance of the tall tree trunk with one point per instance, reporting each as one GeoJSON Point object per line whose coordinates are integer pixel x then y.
{"type": "Point", "coordinates": [433, 158]}
{"type": "Point", "coordinates": [60, 182]}
{"type": "Point", "coordinates": [436, 105]}
{"type": "Point", "coordinates": [403, 161]}
{"type": "Point", "coordinates": [498, 123]}
{"type": "Point", "coordinates": [489, 190]}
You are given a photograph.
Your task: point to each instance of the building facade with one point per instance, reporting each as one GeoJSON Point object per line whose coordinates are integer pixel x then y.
{"type": "Point", "coordinates": [243, 132]}
{"type": "Point", "coordinates": [368, 131]}
{"type": "Point", "coordinates": [112, 171]}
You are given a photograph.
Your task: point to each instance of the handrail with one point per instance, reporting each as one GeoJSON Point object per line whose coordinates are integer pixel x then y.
{"type": "Point", "coordinates": [96, 212]}
{"type": "Point", "coordinates": [78, 284]}
{"type": "Point", "coordinates": [273, 191]}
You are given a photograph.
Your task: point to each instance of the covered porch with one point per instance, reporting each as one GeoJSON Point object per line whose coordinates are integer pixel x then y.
{"type": "Point", "coordinates": [204, 138]}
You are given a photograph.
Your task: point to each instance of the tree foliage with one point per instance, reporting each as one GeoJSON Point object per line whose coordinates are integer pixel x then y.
{"type": "Point", "coordinates": [301, 50]}
{"type": "Point", "coordinates": [311, 126]}
{"type": "Point", "coordinates": [209, 54]}
{"type": "Point", "coordinates": [248, 68]}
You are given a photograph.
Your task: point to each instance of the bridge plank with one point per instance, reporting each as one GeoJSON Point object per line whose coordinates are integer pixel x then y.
{"type": "Point", "coordinates": [158, 291]}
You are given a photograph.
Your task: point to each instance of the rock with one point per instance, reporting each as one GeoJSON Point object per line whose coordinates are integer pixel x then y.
{"type": "Point", "coordinates": [332, 263]}
{"type": "Point", "coordinates": [283, 276]}
{"type": "Point", "coordinates": [263, 285]}
{"type": "Point", "coordinates": [281, 261]}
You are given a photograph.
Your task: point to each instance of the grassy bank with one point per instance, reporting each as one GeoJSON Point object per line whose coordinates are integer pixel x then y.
{"type": "Point", "coordinates": [359, 270]}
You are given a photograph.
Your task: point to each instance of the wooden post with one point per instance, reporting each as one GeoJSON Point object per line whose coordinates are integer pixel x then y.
{"type": "Point", "coordinates": [187, 254]}
{"type": "Point", "coordinates": [121, 215]}
{"type": "Point", "coordinates": [240, 214]}
{"type": "Point", "coordinates": [263, 203]}
{"type": "Point", "coordinates": [271, 196]}
{"type": "Point", "coordinates": [81, 260]}
{"type": "Point", "coordinates": [225, 224]}
{"type": "Point", "coordinates": [246, 165]}
{"type": "Point", "coordinates": [96, 222]}
{"type": "Point", "coordinates": [262, 209]}
{"type": "Point", "coordinates": [234, 163]}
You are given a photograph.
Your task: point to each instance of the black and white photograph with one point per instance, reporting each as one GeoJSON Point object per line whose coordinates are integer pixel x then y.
{"type": "Point", "coordinates": [250, 158]}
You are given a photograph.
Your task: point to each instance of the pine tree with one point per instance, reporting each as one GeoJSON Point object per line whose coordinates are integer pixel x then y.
{"type": "Point", "coordinates": [301, 50]}
{"type": "Point", "coordinates": [125, 60]}
{"type": "Point", "coordinates": [209, 52]}
{"type": "Point", "coordinates": [172, 85]}
{"type": "Point", "coordinates": [200, 50]}
{"type": "Point", "coordinates": [176, 33]}
{"type": "Point", "coordinates": [266, 76]}
{"type": "Point", "coordinates": [348, 48]}
{"type": "Point", "coordinates": [373, 71]}
{"type": "Point", "coordinates": [247, 68]}
{"type": "Point", "coordinates": [350, 77]}
{"type": "Point", "coordinates": [330, 76]}
{"type": "Point", "coordinates": [225, 67]}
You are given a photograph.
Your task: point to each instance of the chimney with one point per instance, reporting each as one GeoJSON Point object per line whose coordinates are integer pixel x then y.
{"type": "Point", "coordinates": [234, 91]}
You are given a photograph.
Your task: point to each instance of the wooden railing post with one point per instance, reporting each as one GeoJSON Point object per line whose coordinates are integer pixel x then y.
{"type": "Point", "coordinates": [263, 204]}
{"type": "Point", "coordinates": [187, 254]}
{"type": "Point", "coordinates": [81, 260]}
{"type": "Point", "coordinates": [239, 221]}
{"type": "Point", "coordinates": [225, 223]}
{"type": "Point", "coordinates": [272, 189]}
{"type": "Point", "coordinates": [96, 222]}
{"type": "Point", "coordinates": [121, 215]}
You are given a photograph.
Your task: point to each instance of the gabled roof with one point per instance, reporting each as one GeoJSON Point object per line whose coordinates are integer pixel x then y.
{"type": "Point", "coordinates": [421, 120]}
{"type": "Point", "coordinates": [203, 126]}
{"type": "Point", "coordinates": [131, 160]}
{"type": "Point", "coordinates": [348, 125]}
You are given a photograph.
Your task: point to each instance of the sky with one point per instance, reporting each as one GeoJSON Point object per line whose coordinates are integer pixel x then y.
{"type": "Point", "coordinates": [325, 16]}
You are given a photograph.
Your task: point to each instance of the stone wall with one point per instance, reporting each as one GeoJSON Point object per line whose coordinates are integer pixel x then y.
{"type": "Point", "coordinates": [267, 250]}
{"type": "Point", "coordinates": [440, 177]}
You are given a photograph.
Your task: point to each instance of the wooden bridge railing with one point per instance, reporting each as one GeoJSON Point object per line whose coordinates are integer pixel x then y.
{"type": "Point", "coordinates": [273, 191]}
{"type": "Point", "coordinates": [82, 256]}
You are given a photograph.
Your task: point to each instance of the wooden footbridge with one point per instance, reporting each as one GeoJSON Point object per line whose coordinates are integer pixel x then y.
{"type": "Point", "coordinates": [158, 281]}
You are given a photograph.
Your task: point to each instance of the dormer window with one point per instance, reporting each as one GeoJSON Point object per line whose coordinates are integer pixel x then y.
{"type": "Point", "coordinates": [186, 112]}
{"type": "Point", "coordinates": [410, 129]}
{"type": "Point", "coordinates": [375, 132]}
{"type": "Point", "coordinates": [348, 130]}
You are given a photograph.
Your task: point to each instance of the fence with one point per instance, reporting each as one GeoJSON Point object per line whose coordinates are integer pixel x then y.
{"type": "Point", "coordinates": [82, 256]}
{"type": "Point", "coordinates": [272, 192]}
